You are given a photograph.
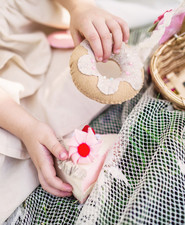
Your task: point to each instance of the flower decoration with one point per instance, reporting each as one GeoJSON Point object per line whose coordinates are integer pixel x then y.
{"type": "Point", "coordinates": [173, 28]}
{"type": "Point", "coordinates": [159, 18]}
{"type": "Point", "coordinates": [84, 146]}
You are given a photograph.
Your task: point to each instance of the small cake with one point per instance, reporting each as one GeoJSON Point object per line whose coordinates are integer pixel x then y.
{"type": "Point", "coordinates": [87, 153]}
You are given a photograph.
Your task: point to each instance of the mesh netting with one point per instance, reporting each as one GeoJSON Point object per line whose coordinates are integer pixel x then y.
{"type": "Point", "coordinates": [142, 181]}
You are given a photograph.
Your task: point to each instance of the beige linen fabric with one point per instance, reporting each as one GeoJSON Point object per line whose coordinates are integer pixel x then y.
{"type": "Point", "coordinates": [38, 78]}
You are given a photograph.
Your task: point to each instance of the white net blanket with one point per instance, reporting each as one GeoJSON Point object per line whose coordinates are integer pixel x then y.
{"type": "Point", "coordinates": [142, 181]}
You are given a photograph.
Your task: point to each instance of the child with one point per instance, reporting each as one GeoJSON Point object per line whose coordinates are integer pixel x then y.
{"type": "Point", "coordinates": [105, 34]}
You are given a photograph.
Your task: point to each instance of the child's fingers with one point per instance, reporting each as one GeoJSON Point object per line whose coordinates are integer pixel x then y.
{"type": "Point", "coordinates": [124, 28]}
{"type": "Point", "coordinates": [105, 37]}
{"type": "Point", "coordinates": [54, 146]}
{"type": "Point", "coordinates": [117, 35]}
{"type": "Point", "coordinates": [51, 189]}
{"type": "Point", "coordinates": [92, 36]}
{"type": "Point", "coordinates": [77, 38]}
{"type": "Point", "coordinates": [58, 150]}
{"type": "Point", "coordinates": [49, 175]}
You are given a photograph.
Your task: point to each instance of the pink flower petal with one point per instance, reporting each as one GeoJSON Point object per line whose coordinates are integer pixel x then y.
{"type": "Point", "coordinates": [91, 138]}
{"type": "Point", "coordinates": [80, 136]}
{"type": "Point", "coordinates": [72, 142]}
{"type": "Point", "coordinates": [92, 156]}
{"type": "Point", "coordinates": [75, 158]}
{"type": "Point", "coordinates": [95, 149]}
{"type": "Point", "coordinates": [72, 150]}
{"type": "Point", "coordinates": [97, 145]}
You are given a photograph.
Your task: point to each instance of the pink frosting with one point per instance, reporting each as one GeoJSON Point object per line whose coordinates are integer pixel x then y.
{"type": "Point", "coordinates": [83, 147]}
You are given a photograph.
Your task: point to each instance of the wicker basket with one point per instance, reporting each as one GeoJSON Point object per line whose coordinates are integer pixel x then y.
{"type": "Point", "coordinates": [168, 70]}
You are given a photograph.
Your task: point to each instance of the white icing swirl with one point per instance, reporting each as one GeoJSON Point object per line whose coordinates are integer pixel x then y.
{"type": "Point", "coordinates": [128, 61]}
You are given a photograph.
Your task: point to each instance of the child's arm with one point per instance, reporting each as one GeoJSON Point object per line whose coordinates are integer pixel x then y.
{"type": "Point", "coordinates": [104, 31]}
{"type": "Point", "coordinates": [39, 140]}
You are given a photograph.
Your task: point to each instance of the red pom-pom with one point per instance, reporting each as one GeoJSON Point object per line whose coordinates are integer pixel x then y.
{"type": "Point", "coordinates": [85, 129]}
{"type": "Point", "coordinates": [83, 150]}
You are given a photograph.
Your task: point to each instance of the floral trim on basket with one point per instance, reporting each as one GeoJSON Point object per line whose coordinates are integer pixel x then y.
{"type": "Point", "coordinates": [173, 28]}
{"type": "Point", "coordinates": [159, 18]}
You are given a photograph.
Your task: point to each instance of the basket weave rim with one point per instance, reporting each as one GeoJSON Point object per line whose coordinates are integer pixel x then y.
{"type": "Point", "coordinates": [176, 99]}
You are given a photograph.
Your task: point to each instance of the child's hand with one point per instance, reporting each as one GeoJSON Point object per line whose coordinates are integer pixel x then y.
{"type": "Point", "coordinates": [104, 31]}
{"type": "Point", "coordinates": [41, 143]}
